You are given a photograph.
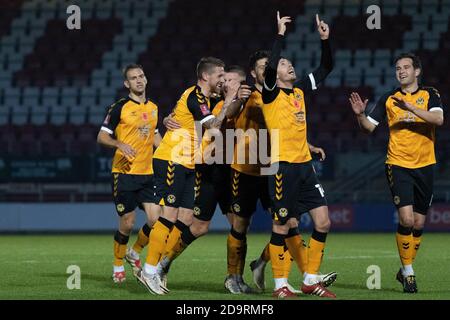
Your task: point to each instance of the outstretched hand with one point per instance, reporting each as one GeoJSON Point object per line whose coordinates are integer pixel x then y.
{"type": "Point", "coordinates": [282, 23]}
{"type": "Point", "coordinates": [170, 123]}
{"type": "Point", "coordinates": [357, 104]}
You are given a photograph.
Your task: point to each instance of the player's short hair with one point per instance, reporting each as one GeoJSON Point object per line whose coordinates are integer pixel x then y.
{"type": "Point", "coordinates": [258, 55]}
{"type": "Point", "coordinates": [417, 64]}
{"type": "Point", "coordinates": [206, 64]}
{"type": "Point", "coordinates": [236, 69]}
{"type": "Point", "coordinates": [130, 67]}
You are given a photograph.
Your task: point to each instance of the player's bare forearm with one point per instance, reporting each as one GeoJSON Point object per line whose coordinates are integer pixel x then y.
{"type": "Point", "coordinates": [232, 108]}
{"type": "Point", "coordinates": [157, 140]}
{"type": "Point", "coordinates": [216, 122]}
{"type": "Point", "coordinates": [433, 117]}
{"type": "Point", "coordinates": [365, 125]}
{"type": "Point", "coordinates": [105, 139]}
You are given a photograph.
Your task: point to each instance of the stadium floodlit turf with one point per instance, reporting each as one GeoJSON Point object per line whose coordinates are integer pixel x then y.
{"type": "Point", "coordinates": [34, 267]}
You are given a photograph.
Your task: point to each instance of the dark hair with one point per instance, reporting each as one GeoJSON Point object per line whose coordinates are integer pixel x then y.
{"type": "Point", "coordinates": [415, 59]}
{"type": "Point", "coordinates": [206, 64]}
{"type": "Point", "coordinates": [237, 69]}
{"type": "Point", "coordinates": [130, 67]}
{"type": "Point", "coordinates": [260, 54]}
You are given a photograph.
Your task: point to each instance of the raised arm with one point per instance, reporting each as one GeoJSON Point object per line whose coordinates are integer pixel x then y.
{"type": "Point", "coordinates": [271, 69]}
{"type": "Point", "coordinates": [236, 95]}
{"type": "Point", "coordinates": [326, 60]}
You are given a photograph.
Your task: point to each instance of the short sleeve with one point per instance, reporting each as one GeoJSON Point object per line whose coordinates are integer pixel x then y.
{"type": "Point", "coordinates": [112, 118]}
{"type": "Point", "coordinates": [434, 102]}
{"type": "Point", "coordinates": [199, 108]}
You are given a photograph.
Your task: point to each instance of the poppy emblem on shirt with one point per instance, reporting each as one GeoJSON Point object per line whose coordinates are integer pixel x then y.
{"type": "Point", "coordinates": [145, 116]}
{"type": "Point", "coordinates": [204, 109]}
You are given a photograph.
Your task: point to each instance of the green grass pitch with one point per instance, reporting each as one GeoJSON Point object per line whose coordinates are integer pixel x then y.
{"type": "Point", "coordinates": [34, 267]}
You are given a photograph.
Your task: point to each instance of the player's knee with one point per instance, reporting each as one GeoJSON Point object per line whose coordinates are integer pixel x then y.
{"type": "Point", "coordinates": [292, 223]}
{"type": "Point", "coordinates": [407, 222]}
{"type": "Point", "coordinates": [186, 216]}
{"type": "Point", "coordinates": [323, 225]}
{"type": "Point", "coordinates": [280, 227]}
{"type": "Point", "coordinates": [127, 223]}
{"type": "Point", "coordinates": [199, 227]}
{"type": "Point", "coordinates": [419, 225]}
{"type": "Point", "coordinates": [240, 224]}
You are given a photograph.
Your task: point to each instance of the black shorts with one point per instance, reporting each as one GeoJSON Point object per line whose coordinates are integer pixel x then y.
{"type": "Point", "coordinates": [212, 187]}
{"type": "Point", "coordinates": [411, 186]}
{"type": "Point", "coordinates": [245, 192]}
{"type": "Point", "coordinates": [295, 189]}
{"type": "Point", "coordinates": [174, 184]}
{"type": "Point", "coordinates": [131, 190]}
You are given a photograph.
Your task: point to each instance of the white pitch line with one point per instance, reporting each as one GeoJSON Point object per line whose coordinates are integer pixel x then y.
{"type": "Point", "coordinates": [361, 257]}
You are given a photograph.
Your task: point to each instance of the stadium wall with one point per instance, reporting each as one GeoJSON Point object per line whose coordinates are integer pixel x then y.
{"type": "Point", "coordinates": [101, 217]}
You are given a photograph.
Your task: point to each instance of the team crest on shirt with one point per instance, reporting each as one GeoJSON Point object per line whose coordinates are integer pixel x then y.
{"type": "Point", "coordinates": [197, 211]}
{"type": "Point", "coordinates": [420, 101]}
{"type": "Point", "coordinates": [300, 116]}
{"type": "Point", "coordinates": [283, 212]}
{"type": "Point", "coordinates": [236, 208]}
{"type": "Point", "coordinates": [204, 109]}
{"type": "Point", "coordinates": [171, 198]}
{"type": "Point", "coordinates": [397, 200]}
{"type": "Point", "coordinates": [154, 114]}
{"type": "Point", "coordinates": [120, 207]}
{"type": "Point", "coordinates": [298, 97]}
